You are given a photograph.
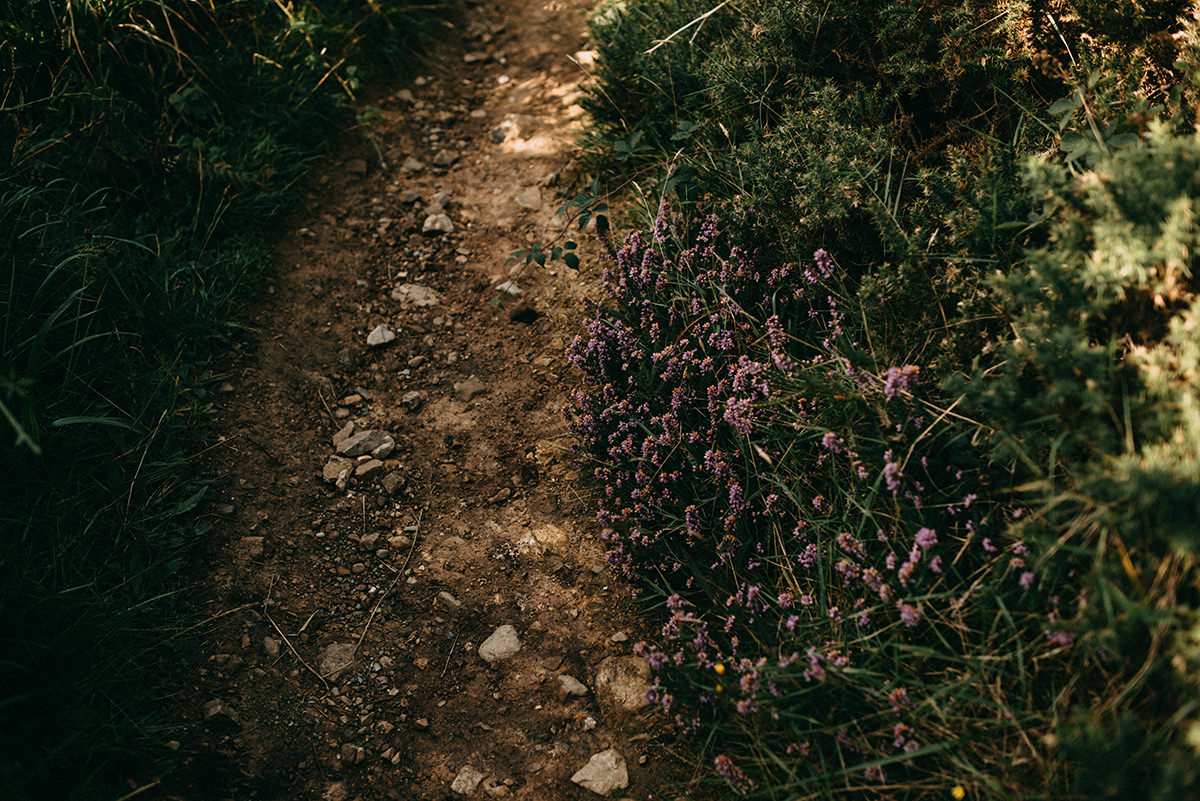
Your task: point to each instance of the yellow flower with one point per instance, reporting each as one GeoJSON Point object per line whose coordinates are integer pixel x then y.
{"type": "Point", "coordinates": [719, 688]}
{"type": "Point", "coordinates": [957, 792]}
{"type": "Point", "coordinates": [719, 669]}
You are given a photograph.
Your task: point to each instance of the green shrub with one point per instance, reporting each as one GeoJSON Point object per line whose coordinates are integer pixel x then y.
{"type": "Point", "coordinates": [919, 522]}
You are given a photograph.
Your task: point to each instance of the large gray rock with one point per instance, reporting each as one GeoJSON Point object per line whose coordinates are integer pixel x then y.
{"type": "Point", "coordinates": [364, 442]}
{"type": "Point", "coordinates": [503, 644]}
{"type": "Point", "coordinates": [603, 773]}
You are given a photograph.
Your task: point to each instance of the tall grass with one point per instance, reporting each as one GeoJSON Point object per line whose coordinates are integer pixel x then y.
{"type": "Point", "coordinates": [145, 149]}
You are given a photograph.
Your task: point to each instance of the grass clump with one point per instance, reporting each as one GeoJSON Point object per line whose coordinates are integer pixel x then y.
{"type": "Point", "coordinates": [895, 432]}
{"type": "Point", "coordinates": [145, 148]}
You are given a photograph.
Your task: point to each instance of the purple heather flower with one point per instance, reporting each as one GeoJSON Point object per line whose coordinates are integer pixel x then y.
{"type": "Point", "coordinates": [892, 474]}
{"type": "Point", "coordinates": [899, 379]}
{"type": "Point", "coordinates": [926, 538]}
{"type": "Point", "coordinates": [909, 615]}
{"type": "Point", "coordinates": [1060, 637]}
{"type": "Point", "coordinates": [1026, 580]}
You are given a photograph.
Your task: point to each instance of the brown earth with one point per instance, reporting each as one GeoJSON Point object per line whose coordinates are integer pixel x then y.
{"type": "Point", "coordinates": [340, 657]}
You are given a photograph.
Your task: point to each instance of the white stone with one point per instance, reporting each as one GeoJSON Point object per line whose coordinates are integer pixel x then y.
{"type": "Point", "coordinates": [466, 781]}
{"type": "Point", "coordinates": [503, 644]}
{"type": "Point", "coordinates": [571, 685]}
{"type": "Point", "coordinates": [380, 335]}
{"type": "Point", "coordinates": [603, 773]}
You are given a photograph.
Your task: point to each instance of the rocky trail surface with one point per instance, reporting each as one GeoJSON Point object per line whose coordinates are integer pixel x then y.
{"type": "Point", "coordinates": [405, 591]}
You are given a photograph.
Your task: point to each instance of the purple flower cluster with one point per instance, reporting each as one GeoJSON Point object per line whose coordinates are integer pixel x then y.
{"type": "Point", "coordinates": [786, 497]}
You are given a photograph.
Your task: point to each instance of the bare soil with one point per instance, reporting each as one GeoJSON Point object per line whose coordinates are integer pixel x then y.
{"type": "Point", "coordinates": [474, 521]}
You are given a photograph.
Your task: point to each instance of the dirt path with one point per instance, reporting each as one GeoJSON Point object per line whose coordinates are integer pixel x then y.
{"type": "Point", "coordinates": [353, 594]}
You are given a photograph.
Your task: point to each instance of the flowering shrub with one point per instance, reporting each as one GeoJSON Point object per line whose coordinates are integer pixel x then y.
{"type": "Point", "coordinates": [816, 527]}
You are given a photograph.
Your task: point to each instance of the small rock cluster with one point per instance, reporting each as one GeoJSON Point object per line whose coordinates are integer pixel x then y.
{"type": "Point", "coordinates": [360, 456]}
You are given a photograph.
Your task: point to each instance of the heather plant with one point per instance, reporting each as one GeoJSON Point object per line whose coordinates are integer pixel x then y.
{"type": "Point", "coordinates": [917, 520]}
{"type": "Point", "coordinates": [873, 578]}
{"type": "Point", "coordinates": [841, 596]}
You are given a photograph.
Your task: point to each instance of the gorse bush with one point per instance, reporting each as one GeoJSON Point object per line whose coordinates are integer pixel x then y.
{"type": "Point", "coordinates": [916, 517]}
{"type": "Point", "coordinates": [144, 148]}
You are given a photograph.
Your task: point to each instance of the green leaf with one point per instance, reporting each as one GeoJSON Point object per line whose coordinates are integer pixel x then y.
{"type": "Point", "coordinates": [571, 260]}
{"type": "Point", "coordinates": [99, 421]}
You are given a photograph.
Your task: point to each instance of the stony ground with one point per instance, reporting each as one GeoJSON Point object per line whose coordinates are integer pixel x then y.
{"type": "Point", "coordinates": [406, 594]}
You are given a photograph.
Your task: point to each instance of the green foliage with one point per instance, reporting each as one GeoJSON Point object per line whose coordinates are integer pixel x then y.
{"type": "Point", "coordinates": [144, 147]}
{"type": "Point", "coordinates": [1011, 197]}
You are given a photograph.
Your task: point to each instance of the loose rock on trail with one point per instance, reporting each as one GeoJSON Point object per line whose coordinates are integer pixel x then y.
{"type": "Point", "coordinates": [405, 590]}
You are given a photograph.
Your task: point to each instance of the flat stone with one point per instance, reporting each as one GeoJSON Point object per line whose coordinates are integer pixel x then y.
{"type": "Point", "coordinates": [529, 198]}
{"type": "Point", "coordinates": [335, 659]}
{"type": "Point", "coordinates": [623, 681]}
{"type": "Point", "coordinates": [364, 442]}
{"type": "Point", "coordinates": [343, 434]}
{"type": "Point", "coordinates": [603, 773]}
{"type": "Point", "coordinates": [393, 482]}
{"type": "Point", "coordinates": [569, 685]}
{"type": "Point", "coordinates": [467, 780]}
{"type": "Point", "coordinates": [412, 165]}
{"type": "Point", "coordinates": [466, 391]}
{"type": "Point", "coordinates": [449, 601]}
{"type": "Point", "coordinates": [416, 295]}
{"type": "Point", "coordinates": [437, 224]}
{"type": "Point", "coordinates": [369, 468]}
{"type": "Point", "coordinates": [336, 468]}
{"type": "Point", "coordinates": [368, 541]}
{"type": "Point", "coordinates": [444, 158]}
{"type": "Point", "coordinates": [502, 644]}
{"type": "Point", "coordinates": [384, 450]}
{"type": "Point", "coordinates": [380, 335]}
{"type": "Point", "coordinates": [510, 288]}
{"type": "Point", "coordinates": [271, 646]}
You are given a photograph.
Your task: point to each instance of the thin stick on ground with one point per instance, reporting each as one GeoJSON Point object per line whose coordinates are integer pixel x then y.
{"type": "Point", "coordinates": [288, 642]}
{"type": "Point", "coordinates": [412, 547]}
